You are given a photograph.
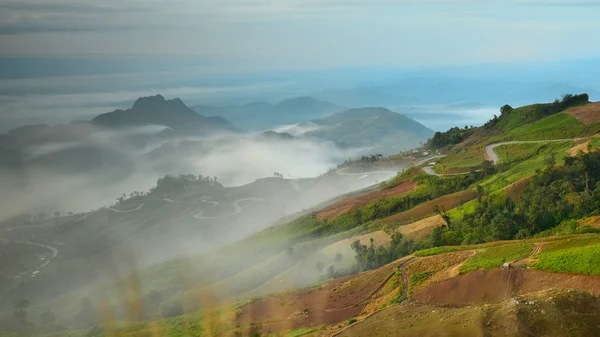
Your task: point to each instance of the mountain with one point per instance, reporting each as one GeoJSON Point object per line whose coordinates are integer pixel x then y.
{"type": "Point", "coordinates": [450, 90]}
{"type": "Point", "coordinates": [378, 129]}
{"type": "Point", "coordinates": [155, 110]}
{"type": "Point", "coordinates": [276, 135]}
{"type": "Point", "coordinates": [263, 115]}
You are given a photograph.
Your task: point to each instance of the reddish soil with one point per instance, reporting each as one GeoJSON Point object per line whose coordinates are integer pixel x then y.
{"type": "Point", "coordinates": [452, 170]}
{"type": "Point", "coordinates": [497, 285]}
{"type": "Point", "coordinates": [346, 205]}
{"type": "Point", "coordinates": [580, 146]}
{"type": "Point", "coordinates": [447, 201]}
{"type": "Point", "coordinates": [586, 114]}
{"type": "Point", "coordinates": [331, 303]}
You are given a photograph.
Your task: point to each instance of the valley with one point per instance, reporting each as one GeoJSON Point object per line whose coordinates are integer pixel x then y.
{"type": "Point", "coordinates": [377, 244]}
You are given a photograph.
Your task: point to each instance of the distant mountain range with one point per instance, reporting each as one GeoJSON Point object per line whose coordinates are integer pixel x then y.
{"type": "Point", "coordinates": [417, 91]}
{"type": "Point", "coordinates": [372, 129]}
{"type": "Point", "coordinates": [262, 115]}
{"type": "Point", "coordinates": [155, 110]}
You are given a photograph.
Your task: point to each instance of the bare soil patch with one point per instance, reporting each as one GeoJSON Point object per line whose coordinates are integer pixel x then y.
{"type": "Point", "coordinates": [347, 205]}
{"type": "Point", "coordinates": [580, 147]}
{"type": "Point", "coordinates": [586, 114]}
{"type": "Point", "coordinates": [334, 302]}
{"type": "Point", "coordinates": [496, 285]}
{"type": "Point", "coordinates": [419, 229]}
{"type": "Point", "coordinates": [447, 201]}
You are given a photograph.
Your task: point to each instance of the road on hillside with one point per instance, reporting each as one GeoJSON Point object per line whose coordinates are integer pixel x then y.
{"type": "Point", "coordinates": [423, 161]}
{"type": "Point", "coordinates": [490, 152]}
{"type": "Point", "coordinates": [493, 157]}
{"type": "Point", "coordinates": [54, 250]}
{"type": "Point", "coordinates": [236, 207]}
{"type": "Point", "coordinates": [112, 210]}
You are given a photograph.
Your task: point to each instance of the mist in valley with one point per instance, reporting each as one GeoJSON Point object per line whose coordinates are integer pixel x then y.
{"type": "Point", "coordinates": [84, 206]}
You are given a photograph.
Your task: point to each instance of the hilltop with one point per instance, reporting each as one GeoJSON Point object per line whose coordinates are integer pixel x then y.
{"type": "Point", "coordinates": [155, 110]}
{"type": "Point", "coordinates": [378, 129]}
{"type": "Point", "coordinates": [262, 115]}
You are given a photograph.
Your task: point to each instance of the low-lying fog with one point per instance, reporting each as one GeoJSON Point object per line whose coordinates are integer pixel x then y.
{"type": "Point", "coordinates": [89, 171]}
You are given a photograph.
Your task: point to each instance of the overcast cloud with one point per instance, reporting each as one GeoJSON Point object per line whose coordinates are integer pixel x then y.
{"type": "Point", "coordinates": [307, 33]}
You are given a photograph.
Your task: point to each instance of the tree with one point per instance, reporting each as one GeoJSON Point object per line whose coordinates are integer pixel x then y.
{"type": "Point", "coordinates": [487, 167]}
{"type": "Point", "coordinates": [331, 271]}
{"type": "Point", "coordinates": [550, 160]}
{"type": "Point", "coordinates": [480, 193]}
{"type": "Point", "coordinates": [20, 311]}
{"type": "Point", "coordinates": [505, 110]}
{"type": "Point", "coordinates": [57, 214]}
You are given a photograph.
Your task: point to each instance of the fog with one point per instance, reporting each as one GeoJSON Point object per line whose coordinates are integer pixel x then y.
{"type": "Point", "coordinates": [50, 185]}
{"type": "Point", "coordinates": [255, 182]}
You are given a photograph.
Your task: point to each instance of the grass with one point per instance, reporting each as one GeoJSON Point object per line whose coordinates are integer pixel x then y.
{"type": "Point", "coordinates": [496, 197]}
{"type": "Point", "coordinates": [557, 126]}
{"type": "Point", "coordinates": [493, 257]}
{"type": "Point", "coordinates": [527, 167]}
{"type": "Point", "coordinates": [301, 332]}
{"type": "Point", "coordinates": [595, 143]}
{"type": "Point", "coordinates": [441, 250]}
{"type": "Point", "coordinates": [417, 279]}
{"type": "Point", "coordinates": [577, 260]}
{"type": "Point", "coordinates": [571, 242]}
{"type": "Point", "coordinates": [513, 153]}
{"type": "Point", "coordinates": [468, 158]}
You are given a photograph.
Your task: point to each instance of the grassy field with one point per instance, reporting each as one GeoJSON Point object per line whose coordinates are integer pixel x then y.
{"type": "Point", "coordinates": [557, 126]}
{"type": "Point", "coordinates": [572, 242]}
{"type": "Point", "coordinates": [595, 143]}
{"type": "Point", "coordinates": [462, 161]}
{"type": "Point", "coordinates": [578, 260]}
{"type": "Point", "coordinates": [513, 153]}
{"type": "Point", "coordinates": [527, 167]}
{"type": "Point", "coordinates": [494, 257]}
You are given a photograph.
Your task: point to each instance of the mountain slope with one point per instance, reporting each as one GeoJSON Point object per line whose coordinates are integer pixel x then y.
{"type": "Point", "coordinates": [378, 129]}
{"type": "Point", "coordinates": [155, 110]}
{"type": "Point", "coordinates": [263, 115]}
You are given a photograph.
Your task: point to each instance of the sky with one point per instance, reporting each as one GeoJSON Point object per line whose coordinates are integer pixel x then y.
{"type": "Point", "coordinates": [64, 60]}
{"type": "Point", "coordinates": [291, 34]}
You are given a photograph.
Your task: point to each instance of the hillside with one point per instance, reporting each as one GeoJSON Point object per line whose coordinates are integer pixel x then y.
{"type": "Point", "coordinates": [496, 235]}
{"type": "Point", "coordinates": [262, 115]}
{"type": "Point", "coordinates": [378, 129]}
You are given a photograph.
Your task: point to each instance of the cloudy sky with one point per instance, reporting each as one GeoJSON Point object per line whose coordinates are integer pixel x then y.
{"type": "Point", "coordinates": [260, 34]}
{"type": "Point", "coordinates": [62, 60]}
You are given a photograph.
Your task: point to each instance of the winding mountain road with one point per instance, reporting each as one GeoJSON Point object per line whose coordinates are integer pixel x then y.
{"type": "Point", "coordinates": [493, 157]}
{"type": "Point", "coordinates": [112, 210]}
{"type": "Point", "coordinates": [54, 250]}
{"type": "Point", "coordinates": [490, 152]}
{"type": "Point", "coordinates": [236, 206]}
